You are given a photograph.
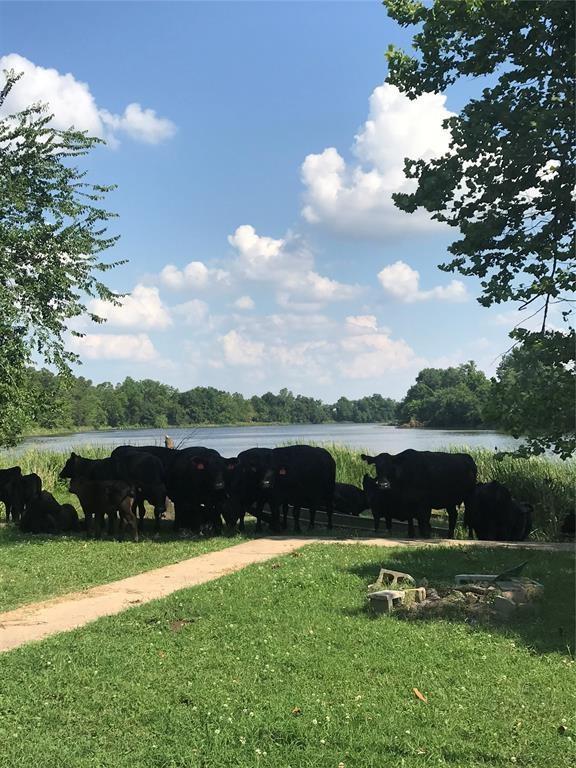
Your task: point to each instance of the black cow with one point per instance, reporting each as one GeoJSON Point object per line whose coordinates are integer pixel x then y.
{"type": "Point", "coordinates": [426, 480]}
{"type": "Point", "coordinates": [246, 492]}
{"type": "Point", "coordinates": [495, 516]}
{"type": "Point", "coordinates": [43, 514]}
{"type": "Point", "coordinates": [166, 455]}
{"type": "Point", "coordinates": [142, 471]}
{"type": "Point", "coordinates": [105, 497]}
{"type": "Point", "coordinates": [568, 528]}
{"type": "Point", "coordinates": [349, 499]}
{"type": "Point", "coordinates": [31, 487]}
{"type": "Point", "coordinates": [384, 503]}
{"type": "Point", "coordinates": [10, 492]}
{"type": "Point", "coordinates": [300, 476]}
{"type": "Point", "coordinates": [197, 483]}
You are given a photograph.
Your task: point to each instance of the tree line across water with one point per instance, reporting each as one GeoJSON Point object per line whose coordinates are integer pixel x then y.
{"type": "Point", "coordinates": [457, 397]}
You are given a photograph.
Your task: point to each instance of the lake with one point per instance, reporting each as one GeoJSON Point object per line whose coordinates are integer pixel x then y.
{"type": "Point", "coordinates": [229, 441]}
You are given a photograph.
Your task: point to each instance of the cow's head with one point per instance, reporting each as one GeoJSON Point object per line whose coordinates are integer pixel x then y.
{"type": "Point", "coordinates": [70, 469]}
{"type": "Point", "coordinates": [385, 469]}
{"type": "Point", "coordinates": [9, 475]}
{"type": "Point", "coordinates": [369, 486]}
{"type": "Point", "coordinates": [256, 469]}
{"type": "Point", "coordinates": [230, 467]}
{"type": "Point", "coordinates": [211, 469]}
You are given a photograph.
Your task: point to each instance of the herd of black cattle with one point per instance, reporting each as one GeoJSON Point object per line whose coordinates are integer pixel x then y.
{"type": "Point", "coordinates": [209, 491]}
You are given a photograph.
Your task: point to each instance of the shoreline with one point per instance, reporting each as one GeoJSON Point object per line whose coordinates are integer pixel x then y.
{"type": "Point", "coordinates": [203, 425]}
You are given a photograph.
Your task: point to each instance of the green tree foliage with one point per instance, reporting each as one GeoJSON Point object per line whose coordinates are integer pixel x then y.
{"type": "Point", "coordinates": [506, 183]}
{"type": "Point", "coordinates": [447, 398]}
{"type": "Point", "coordinates": [59, 402]}
{"type": "Point", "coordinates": [373, 408]}
{"type": "Point", "coordinates": [52, 232]}
{"type": "Point", "coordinates": [520, 401]}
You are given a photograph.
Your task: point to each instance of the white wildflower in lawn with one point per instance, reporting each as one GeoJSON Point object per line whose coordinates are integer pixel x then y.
{"type": "Point", "coordinates": [242, 740]}
{"type": "Point", "coordinates": [322, 741]}
{"type": "Point", "coordinates": [217, 731]}
{"type": "Point", "coordinates": [314, 722]}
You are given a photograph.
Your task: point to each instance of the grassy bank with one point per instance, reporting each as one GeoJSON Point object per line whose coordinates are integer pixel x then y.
{"type": "Point", "coordinates": [280, 665]}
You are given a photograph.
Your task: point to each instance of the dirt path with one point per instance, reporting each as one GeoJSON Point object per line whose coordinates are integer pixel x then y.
{"type": "Point", "coordinates": [60, 614]}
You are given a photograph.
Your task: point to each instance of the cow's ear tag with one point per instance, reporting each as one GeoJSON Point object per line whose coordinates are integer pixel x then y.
{"type": "Point", "coordinates": [282, 471]}
{"type": "Point", "coordinates": [200, 466]}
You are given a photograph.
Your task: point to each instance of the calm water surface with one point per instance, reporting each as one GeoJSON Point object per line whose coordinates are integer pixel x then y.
{"type": "Point", "coordinates": [229, 441]}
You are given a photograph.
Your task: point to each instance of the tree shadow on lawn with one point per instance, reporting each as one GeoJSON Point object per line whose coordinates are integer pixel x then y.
{"type": "Point", "coordinates": [11, 535]}
{"type": "Point", "coordinates": [549, 626]}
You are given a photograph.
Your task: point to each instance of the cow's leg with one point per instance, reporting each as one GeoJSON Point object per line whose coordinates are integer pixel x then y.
{"type": "Point", "coordinates": [158, 515]}
{"type": "Point", "coordinates": [423, 517]}
{"type": "Point", "coordinates": [388, 519]}
{"type": "Point", "coordinates": [296, 516]}
{"type": "Point", "coordinates": [98, 523]}
{"type": "Point", "coordinates": [284, 516]}
{"type": "Point", "coordinates": [411, 531]}
{"type": "Point", "coordinates": [275, 514]}
{"type": "Point", "coordinates": [329, 512]}
{"type": "Point", "coordinates": [216, 517]}
{"type": "Point", "coordinates": [88, 521]}
{"type": "Point", "coordinates": [128, 519]}
{"type": "Point", "coordinates": [177, 515]}
{"type": "Point", "coordinates": [139, 507]}
{"type": "Point", "coordinates": [312, 518]}
{"type": "Point", "coordinates": [469, 515]}
{"type": "Point", "coordinates": [114, 524]}
{"type": "Point", "coordinates": [452, 520]}
{"type": "Point", "coordinates": [258, 515]}
{"type": "Point", "coordinates": [17, 507]}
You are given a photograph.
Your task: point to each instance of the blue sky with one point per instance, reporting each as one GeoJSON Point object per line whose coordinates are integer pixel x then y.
{"type": "Point", "coordinates": [255, 147]}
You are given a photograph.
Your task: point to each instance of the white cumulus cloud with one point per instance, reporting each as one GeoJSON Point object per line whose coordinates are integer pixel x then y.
{"type": "Point", "coordinates": [244, 302]}
{"type": "Point", "coordinates": [192, 312]}
{"type": "Point", "coordinates": [73, 104]}
{"type": "Point", "coordinates": [142, 308]}
{"type": "Point", "coordinates": [288, 265]}
{"type": "Point", "coordinates": [238, 350]}
{"type": "Point", "coordinates": [356, 198]}
{"type": "Point", "coordinates": [194, 275]}
{"type": "Point", "coordinates": [372, 352]}
{"type": "Point", "coordinates": [98, 346]}
{"type": "Point", "coordinates": [402, 282]}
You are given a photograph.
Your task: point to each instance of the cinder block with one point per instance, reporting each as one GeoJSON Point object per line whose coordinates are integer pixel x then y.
{"type": "Point", "coordinates": [391, 578]}
{"type": "Point", "coordinates": [504, 606]}
{"type": "Point", "coordinates": [385, 600]}
{"type": "Point", "coordinates": [415, 595]}
{"type": "Point", "coordinates": [470, 578]}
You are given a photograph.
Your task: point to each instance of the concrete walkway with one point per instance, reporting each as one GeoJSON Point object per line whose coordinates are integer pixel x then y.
{"type": "Point", "coordinates": [60, 614]}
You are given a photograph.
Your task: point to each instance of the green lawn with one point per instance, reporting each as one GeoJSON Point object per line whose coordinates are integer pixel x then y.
{"type": "Point", "coordinates": [38, 567]}
{"type": "Point", "coordinates": [280, 665]}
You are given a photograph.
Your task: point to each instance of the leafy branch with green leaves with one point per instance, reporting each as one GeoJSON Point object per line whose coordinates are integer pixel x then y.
{"type": "Point", "coordinates": [507, 182]}
{"type": "Point", "coordinates": [53, 230]}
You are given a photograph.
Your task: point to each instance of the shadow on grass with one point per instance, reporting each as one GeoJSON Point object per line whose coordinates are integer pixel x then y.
{"type": "Point", "coordinates": [548, 627]}
{"type": "Point", "coordinates": [10, 535]}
